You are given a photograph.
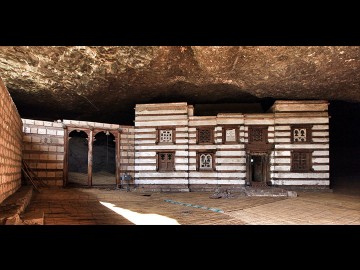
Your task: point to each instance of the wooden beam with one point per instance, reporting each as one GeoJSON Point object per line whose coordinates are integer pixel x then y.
{"type": "Point", "coordinates": [90, 156]}
{"type": "Point", "coordinates": [66, 158]}
{"type": "Point", "coordinates": [117, 158]}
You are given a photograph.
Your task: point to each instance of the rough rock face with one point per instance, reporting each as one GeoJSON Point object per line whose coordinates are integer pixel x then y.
{"type": "Point", "coordinates": [104, 83]}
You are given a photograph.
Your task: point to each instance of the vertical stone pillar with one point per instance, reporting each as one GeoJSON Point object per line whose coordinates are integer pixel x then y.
{"type": "Point", "coordinates": [90, 156]}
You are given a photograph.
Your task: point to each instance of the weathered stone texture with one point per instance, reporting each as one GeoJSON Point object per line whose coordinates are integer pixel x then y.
{"type": "Point", "coordinates": [103, 83]}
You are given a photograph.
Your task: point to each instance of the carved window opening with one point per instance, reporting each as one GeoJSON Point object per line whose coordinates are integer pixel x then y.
{"type": "Point", "coordinates": [258, 134]}
{"type": "Point", "coordinates": [205, 161]}
{"type": "Point", "coordinates": [301, 134]}
{"type": "Point", "coordinates": [165, 135]}
{"type": "Point", "coordinates": [301, 161]}
{"type": "Point", "coordinates": [205, 135]}
{"type": "Point", "coordinates": [230, 134]}
{"type": "Point", "coordinates": [166, 161]}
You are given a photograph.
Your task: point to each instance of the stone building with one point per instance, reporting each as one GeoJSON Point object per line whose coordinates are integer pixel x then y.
{"type": "Point", "coordinates": [177, 151]}
{"type": "Point", "coordinates": [170, 149]}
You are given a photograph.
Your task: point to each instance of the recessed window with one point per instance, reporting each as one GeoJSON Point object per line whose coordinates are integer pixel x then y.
{"type": "Point", "coordinates": [165, 135]}
{"type": "Point", "coordinates": [230, 134]}
{"type": "Point", "coordinates": [300, 134]}
{"type": "Point", "coordinates": [205, 135]}
{"type": "Point", "coordinates": [301, 161]}
{"type": "Point", "coordinates": [166, 161]}
{"type": "Point", "coordinates": [258, 134]}
{"type": "Point", "coordinates": [205, 161]}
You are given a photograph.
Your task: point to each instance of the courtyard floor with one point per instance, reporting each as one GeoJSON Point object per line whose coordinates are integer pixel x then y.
{"type": "Point", "coordinates": [95, 206]}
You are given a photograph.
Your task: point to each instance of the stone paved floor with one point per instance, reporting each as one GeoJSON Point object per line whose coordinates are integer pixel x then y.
{"type": "Point", "coordinates": [80, 206]}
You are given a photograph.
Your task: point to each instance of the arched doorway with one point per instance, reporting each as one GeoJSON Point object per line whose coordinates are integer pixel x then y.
{"type": "Point", "coordinates": [78, 158]}
{"type": "Point", "coordinates": [104, 159]}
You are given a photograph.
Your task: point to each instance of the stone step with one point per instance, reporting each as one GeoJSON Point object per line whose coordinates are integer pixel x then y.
{"type": "Point", "coordinates": [265, 191]}
{"type": "Point", "coordinates": [33, 218]}
{"type": "Point", "coordinates": [269, 192]}
{"type": "Point", "coordinates": [13, 206]}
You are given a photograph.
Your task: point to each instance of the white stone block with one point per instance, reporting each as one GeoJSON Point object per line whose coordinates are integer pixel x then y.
{"type": "Point", "coordinates": [39, 123]}
{"type": "Point", "coordinates": [41, 131]}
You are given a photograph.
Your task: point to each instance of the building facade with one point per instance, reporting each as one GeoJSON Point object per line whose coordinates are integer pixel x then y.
{"type": "Point", "coordinates": [170, 149]}
{"type": "Point", "coordinates": [177, 151]}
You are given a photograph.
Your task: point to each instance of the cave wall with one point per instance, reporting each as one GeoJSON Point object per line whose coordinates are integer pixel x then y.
{"type": "Point", "coordinates": [44, 149]}
{"type": "Point", "coordinates": [10, 145]}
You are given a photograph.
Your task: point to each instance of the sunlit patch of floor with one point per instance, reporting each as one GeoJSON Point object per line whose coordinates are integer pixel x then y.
{"type": "Point", "coordinates": [141, 219]}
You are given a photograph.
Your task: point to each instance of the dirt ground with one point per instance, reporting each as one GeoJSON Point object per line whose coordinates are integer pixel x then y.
{"type": "Point", "coordinates": [98, 178]}
{"type": "Point", "coordinates": [105, 206]}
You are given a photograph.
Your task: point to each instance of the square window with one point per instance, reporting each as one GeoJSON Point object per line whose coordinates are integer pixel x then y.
{"type": "Point", "coordinates": [258, 134]}
{"type": "Point", "coordinates": [230, 134]}
{"type": "Point", "coordinates": [166, 161]}
{"type": "Point", "coordinates": [205, 135]}
{"type": "Point", "coordinates": [165, 135]}
{"type": "Point", "coordinates": [301, 161]}
{"type": "Point", "coordinates": [300, 134]}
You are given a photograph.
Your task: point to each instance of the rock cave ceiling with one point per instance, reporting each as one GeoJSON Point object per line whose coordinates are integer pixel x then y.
{"type": "Point", "coordinates": [103, 83]}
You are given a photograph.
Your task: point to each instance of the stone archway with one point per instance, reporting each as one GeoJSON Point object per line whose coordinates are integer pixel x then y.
{"type": "Point", "coordinates": [104, 159]}
{"type": "Point", "coordinates": [78, 158]}
{"type": "Point", "coordinates": [91, 134]}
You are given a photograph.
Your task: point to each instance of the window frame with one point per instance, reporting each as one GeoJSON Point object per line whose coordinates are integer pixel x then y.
{"type": "Point", "coordinates": [212, 139]}
{"type": "Point", "coordinates": [173, 135]}
{"type": "Point", "coordinates": [198, 154]}
{"type": "Point", "coordinates": [237, 134]}
{"type": "Point", "coordinates": [309, 162]}
{"type": "Point", "coordinates": [308, 133]}
{"type": "Point", "coordinates": [158, 169]}
{"type": "Point", "coordinates": [265, 132]}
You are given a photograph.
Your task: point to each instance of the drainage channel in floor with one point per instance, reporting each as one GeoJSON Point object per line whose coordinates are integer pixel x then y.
{"type": "Point", "coordinates": [195, 206]}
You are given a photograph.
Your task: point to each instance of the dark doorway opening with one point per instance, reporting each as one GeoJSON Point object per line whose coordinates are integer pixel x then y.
{"type": "Point", "coordinates": [258, 169]}
{"type": "Point", "coordinates": [104, 165]}
{"type": "Point", "coordinates": [78, 158]}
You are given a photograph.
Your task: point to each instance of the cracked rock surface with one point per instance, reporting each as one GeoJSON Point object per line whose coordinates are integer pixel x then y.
{"type": "Point", "coordinates": [103, 83]}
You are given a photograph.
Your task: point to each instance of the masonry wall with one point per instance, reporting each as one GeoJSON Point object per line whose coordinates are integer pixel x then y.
{"type": "Point", "coordinates": [44, 146]}
{"type": "Point", "coordinates": [10, 145]}
{"type": "Point", "coordinates": [148, 118]}
{"type": "Point", "coordinates": [127, 153]}
{"type": "Point", "coordinates": [44, 149]}
{"type": "Point", "coordinates": [201, 179]}
{"type": "Point", "coordinates": [314, 114]}
{"type": "Point", "coordinates": [229, 158]}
